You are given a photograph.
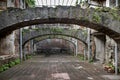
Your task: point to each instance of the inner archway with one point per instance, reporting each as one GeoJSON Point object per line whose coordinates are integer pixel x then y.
{"type": "Point", "coordinates": [69, 39]}
{"type": "Point", "coordinates": [55, 47]}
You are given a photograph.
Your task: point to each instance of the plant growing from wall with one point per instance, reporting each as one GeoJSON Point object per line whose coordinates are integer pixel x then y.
{"type": "Point", "coordinates": [96, 18]}
{"type": "Point", "coordinates": [114, 13]}
{"type": "Point", "coordinates": [56, 30]}
{"type": "Point", "coordinates": [30, 3]}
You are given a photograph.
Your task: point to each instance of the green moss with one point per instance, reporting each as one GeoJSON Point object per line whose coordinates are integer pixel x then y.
{"type": "Point", "coordinates": [114, 13]}
{"type": "Point", "coordinates": [96, 18]}
{"type": "Point", "coordinates": [57, 30]}
{"type": "Point", "coordinates": [102, 9]}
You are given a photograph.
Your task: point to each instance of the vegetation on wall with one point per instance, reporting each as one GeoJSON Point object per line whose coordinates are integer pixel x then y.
{"type": "Point", "coordinates": [24, 31]}
{"type": "Point", "coordinates": [96, 18]}
{"type": "Point", "coordinates": [30, 3]}
{"type": "Point", "coordinates": [57, 30]}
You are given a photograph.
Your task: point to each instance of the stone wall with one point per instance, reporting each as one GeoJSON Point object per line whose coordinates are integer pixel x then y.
{"type": "Point", "coordinates": [16, 43]}
{"type": "Point", "coordinates": [80, 47]}
{"type": "Point", "coordinates": [100, 47]}
{"type": "Point", "coordinates": [109, 50]}
{"type": "Point", "coordinates": [7, 45]}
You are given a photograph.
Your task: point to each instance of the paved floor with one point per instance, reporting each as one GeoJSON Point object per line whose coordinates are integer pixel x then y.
{"type": "Point", "coordinates": [55, 67]}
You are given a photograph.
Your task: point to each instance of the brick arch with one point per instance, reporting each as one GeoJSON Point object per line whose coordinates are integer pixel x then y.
{"type": "Point", "coordinates": [101, 20]}
{"type": "Point", "coordinates": [77, 34]}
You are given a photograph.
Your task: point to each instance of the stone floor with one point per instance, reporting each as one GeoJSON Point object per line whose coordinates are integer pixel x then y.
{"type": "Point", "coordinates": [56, 67]}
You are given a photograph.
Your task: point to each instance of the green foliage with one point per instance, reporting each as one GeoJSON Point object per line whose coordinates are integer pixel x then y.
{"type": "Point", "coordinates": [1, 69]}
{"type": "Point", "coordinates": [57, 30]}
{"type": "Point", "coordinates": [28, 56]}
{"type": "Point", "coordinates": [91, 61]}
{"type": "Point", "coordinates": [82, 2]}
{"type": "Point", "coordinates": [36, 29]}
{"type": "Point", "coordinates": [102, 9]}
{"type": "Point", "coordinates": [31, 3]}
{"type": "Point", "coordinates": [96, 18]}
{"type": "Point", "coordinates": [84, 32]}
{"type": "Point", "coordinates": [4, 67]}
{"type": "Point", "coordinates": [9, 64]}
{"type": "Point", "coordinates": [114, 13]}
{"type": "Point", "coordinates": [111, 65]}
{"type": "Point", "coordinates": [17, 61]}
{"type": "Point", "coordinates": [24, 31]}
{"type": "Point", "coordinates": [119, 69]}
{"type": "Point", "coordinates": [12, 63]}
{"type": "Point", "coordinates": [81, 57]}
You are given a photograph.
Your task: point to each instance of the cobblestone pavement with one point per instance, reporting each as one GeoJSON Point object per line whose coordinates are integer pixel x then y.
{"type": "Point", "coordinates": [55, 67]}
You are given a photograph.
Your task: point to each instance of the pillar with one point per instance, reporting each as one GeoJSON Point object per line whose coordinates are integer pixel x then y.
{"type": "Point", "coordinates": [35, 48]}
{"type": "Point", "coordinates": [21, 48]}
{"type": "Point", "coordinates": [88, 42]}
{"type": "Point", "coordinates": [31, 47]}
{"type": "Point", "coordinates": [117, 3]}
{"type": "Point", "coordinates": [107, 3]}
{"type": "Point", "coordinates": [117, 56]}
{"type": "Point", "coordinates": [76, 46]}
{"type": "Point", "coordinates": [76, 43]}
{"type": "Point", "coordinates": [85, 52]}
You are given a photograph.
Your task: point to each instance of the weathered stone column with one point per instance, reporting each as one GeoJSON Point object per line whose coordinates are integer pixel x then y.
{"type": "Point", "coordinates": [35, 48]}
{"type": "Point", "coordinates": [118, 45]}
{"type": "Point", "coordinates": [100, 40]}
{"type": "Point", "coordinates": [31, 47]}
{"type": "Point", "coordinates": [117, 56]}
{"type": "Point", "coordinates": [85, 52]}
{"type": "Point", "coordinates": [76, 43]}
{"type": "Point", "coordinates": [88, 42]}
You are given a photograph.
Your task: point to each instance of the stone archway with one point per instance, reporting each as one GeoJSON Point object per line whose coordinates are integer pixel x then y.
{"type": "Point", "coordinates": [78, 34]}
{"type": "Point", "coordinates": [102, 20]}
{"type": "Point", "coordinates": [72, 49]}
